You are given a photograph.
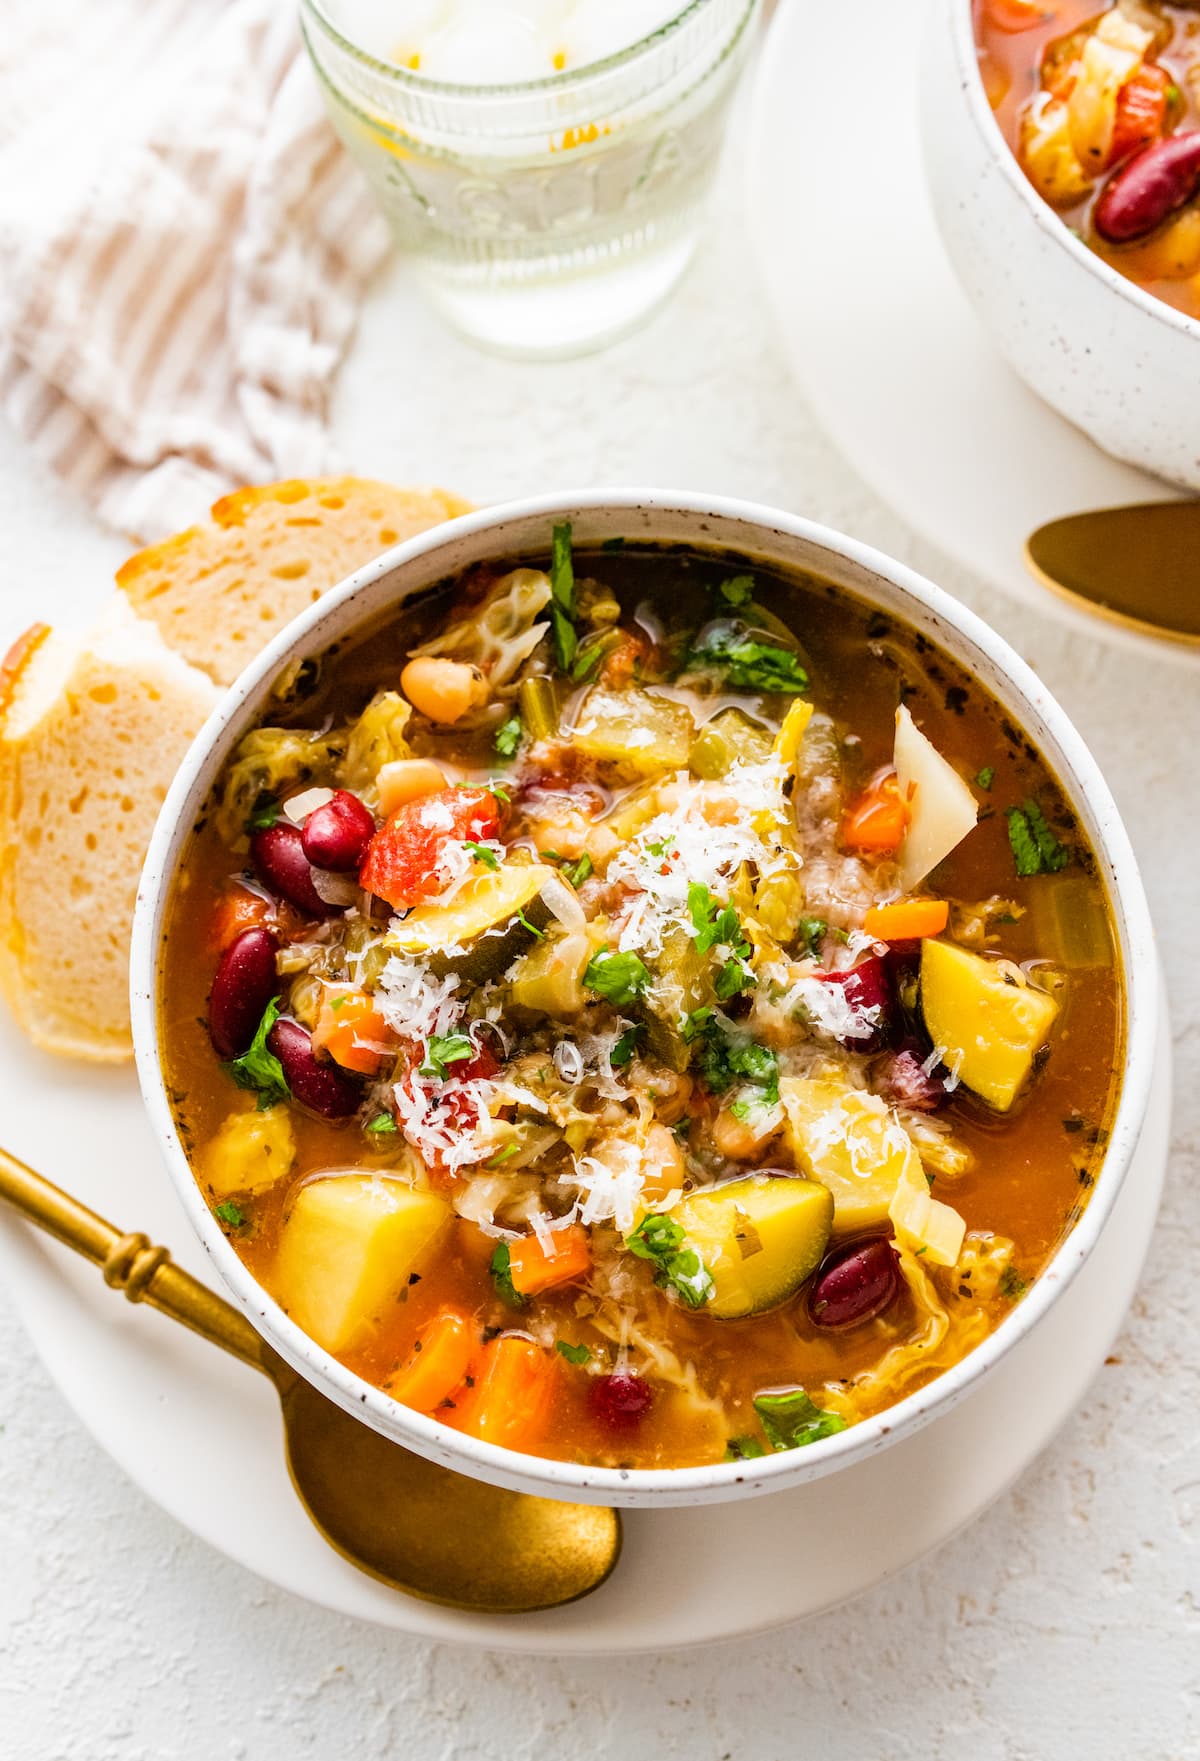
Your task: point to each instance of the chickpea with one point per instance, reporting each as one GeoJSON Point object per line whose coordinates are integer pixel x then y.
{"type": "Point", "coordinates": [669, 1090]}
{"type": "Point", "coordinates": [663, 1166]}
{"type": "Point", "coordinates": [444, 690]}
{"type": "Point", "coordinates": [739, 1140]}
{"type": "Point", "coordinates": [407, 779]}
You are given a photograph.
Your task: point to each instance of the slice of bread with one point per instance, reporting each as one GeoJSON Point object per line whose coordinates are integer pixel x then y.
{"type": "Point", "coordinates": [220, 591]}
{"type": "Point", "coordinates": [93, 728]}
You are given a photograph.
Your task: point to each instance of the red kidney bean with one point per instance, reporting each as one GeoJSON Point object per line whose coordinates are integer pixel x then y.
{"type": "Point", "coordinates": [856, 1283]}
{"type": "Point", "coordinates": [278, 855]}
{"type": "Point", "coordinates": [620, 1401]}
{"type": "Point", "coordinates": [336, 836]}
{"type": "Point", "coordinates": [866, 986]}
{"type": "Point", "coordinates": [323, 1087]}
{"type": "Point", "coordinates": [244, 984]}
{"type": "Point", "coordinates": [906, 1083]}
{"type": "Point", "coordinates": [1153, 184]}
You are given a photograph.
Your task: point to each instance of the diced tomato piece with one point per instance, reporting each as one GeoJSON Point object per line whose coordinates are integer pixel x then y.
{"type": "Point", "coordinates": [878, 819]}
{"type": "Point", "coordinates": [402, 864]}
{"type": "Point", "coordinates": [1141, 112]}
{"type": "Point", "coordinates": [1015, 15]}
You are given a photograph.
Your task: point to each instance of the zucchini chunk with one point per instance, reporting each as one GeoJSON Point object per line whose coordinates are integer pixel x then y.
{"type": "Point", "coordinates": [849, 1141]}
{"type": "Point", "coordinates": [682, 982]}
{"type": "Point", "coordinates": [485, 919]}
{"type": "Point", "coordinates": [989, 1025]}
{"type": "Point", "coordinates": [349, 1244]}
{"type": "Point", "coordinates": [760, 1238]}
{"type": "Point", "coordinates": [634, 729]}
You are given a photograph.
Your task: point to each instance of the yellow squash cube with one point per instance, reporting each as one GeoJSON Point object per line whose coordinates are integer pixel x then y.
{"type": "Point", "coordinates": [988, 1025]}
{"type": "Point", "coordinates": [760, 1239]}
{"type": "Point", "coordinates": [850, 1142]}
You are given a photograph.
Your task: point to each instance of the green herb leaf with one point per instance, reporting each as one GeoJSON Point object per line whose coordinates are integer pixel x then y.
{"type": "Point", "coordinates": [613, 545]}
{"type": "Point", "coordinates": [751, 666]}
{"type": "Point", "coordinates": [230, 1215]}
{"type": "Point", "coordinates": [443, 1049]}
{"type": "Point", "coordinates": [502, 1277]}
{"type": "Point", "coordinates": [792, 1420]}
{"type": "Point", "coordinates": [624, 1049]}
{"type": "Point", "coordinates": [737, 590]}
{"type": "Point", "coordinates": [726, 1058]}
{"type": "Point", "coordinates": [508, 737]}
{"type": "Point", "coordinates": [259, 1069]}
{"type": "Point", "coordinates": [986, 777]}
{"type": "Point", "coordinates": [743, 1449]}
{"type": "Point", "coordinates": [481, 853]}
{"type": "Point", "coordinates": [660, 1239]}
{"type": "Point", "coordinates": [506, 1154]}
{"type": "Point", "coordinates": [574, 1354]}
{"type": "Point", "coordinates": [732, 979]}
{"type": "Point", "coordinates": [382, 1125]}
{"type": "Point", "coordinates": [500, 790]}
{"type": "Point", "coordinates": [1035, 848]}
{"type": "Point", "coordinates": [562, 596]}
{"type": "Point", "coordinates": [812, 933]}
{"type": "Point", "coordinates": [619, 978]}
{"type": "Point", "coordinates": [592, 653]}
{"type": "Point", "coordinates": [1012, 1284]}
{"type": "Point", "coordinates": [531, 927]}
{"type": "Point", "coordinates": [266, 814]}
{"type": "Point", "coordinates": [581, 870]}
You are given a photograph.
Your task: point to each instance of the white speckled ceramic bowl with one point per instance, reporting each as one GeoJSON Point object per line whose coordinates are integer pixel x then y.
{"type": "Point", "coordinates": [517, 530]}
{"type": "Point", "coordinates": [1114, 360]}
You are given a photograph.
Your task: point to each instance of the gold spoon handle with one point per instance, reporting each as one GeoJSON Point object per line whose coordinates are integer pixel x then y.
{"type": "Point", "coordinates": [129, 1262]}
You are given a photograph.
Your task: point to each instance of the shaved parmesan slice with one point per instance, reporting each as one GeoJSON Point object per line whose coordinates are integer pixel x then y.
{"type": "Point", "coordinates": [922, 1223]}
{"type": "Point", "coordinates": [942, 810]}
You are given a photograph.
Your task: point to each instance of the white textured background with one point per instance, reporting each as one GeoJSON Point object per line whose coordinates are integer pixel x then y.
{"type": "Point", "coordinates": [1065, 1622]}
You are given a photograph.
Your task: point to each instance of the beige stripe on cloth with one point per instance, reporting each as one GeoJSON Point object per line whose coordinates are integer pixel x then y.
{"type": "Point", "coordinates": [183, 250]}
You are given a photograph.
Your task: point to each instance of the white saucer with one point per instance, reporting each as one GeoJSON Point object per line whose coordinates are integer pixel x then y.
{"type": "Point", "coordinates": [200, 1433]}
{"type": "Point", "coordinates": [873, 322]}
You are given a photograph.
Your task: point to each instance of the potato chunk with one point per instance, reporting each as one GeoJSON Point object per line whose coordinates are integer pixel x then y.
{"type": "Point", "coordinates": [850, 1142]}
{"type": "Point", "coordinates": [760, 1239]}
{"type": "Point", "coordinates": [350, 1243]}
{"type": "Point", "coordinates": [989, 1024]}
{"type": "Point", "coordinates": [249, 1153]}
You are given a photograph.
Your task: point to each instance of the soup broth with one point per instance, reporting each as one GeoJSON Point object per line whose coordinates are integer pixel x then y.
{"type": "Point", "coordinates": [708, 1053]}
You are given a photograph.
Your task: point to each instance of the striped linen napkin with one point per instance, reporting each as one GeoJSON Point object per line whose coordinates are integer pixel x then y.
{"type": "Point", "coordinates": [183, 249]}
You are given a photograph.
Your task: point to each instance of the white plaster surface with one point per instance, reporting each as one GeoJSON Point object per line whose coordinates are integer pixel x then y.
{"type": "Point", "coordinates": [1065, 1622]}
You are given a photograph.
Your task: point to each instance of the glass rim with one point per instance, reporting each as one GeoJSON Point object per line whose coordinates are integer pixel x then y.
{"type": "Point", "coordinates": [566, 80]}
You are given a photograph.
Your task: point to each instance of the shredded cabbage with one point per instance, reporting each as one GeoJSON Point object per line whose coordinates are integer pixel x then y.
{"type": "Point", "coordinates": [499, 635]}
{"type": "Point", "coordinates": [272, 761]}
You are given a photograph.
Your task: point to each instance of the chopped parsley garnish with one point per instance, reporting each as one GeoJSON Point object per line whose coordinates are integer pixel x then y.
{"type": "Point", "coordinates": [258, 1068]}
{"type": "Point", "coordinates": [506, 1154]}
{"type": "Point", "coordinates": [481, 853]}
{"type": "Point", "coordinates": [660, 1239]}
{"type": "Point", "coordinates": [562, 596]}
{"type": "Point", "coordinates": [660, 847]}
{"type": "Point", "coordinates": [726, 1058]}
{"type": "Point", "coordinates": [443, 1049]}
{"type": "Point", "coordinates": [986, 777]}
{"type": "Point", "coordinates": [592, 652]}
{"type": "Point", "coordinates": [792, 1420]}
{"type": "Point", "coordinates": [733, 978]}
{"type": "Point", "coordinates": [230, 1215]}
{"type": "Point", "coordinates": [737, 590]}
{"type": "Point", "coordinates": [624, 1049]}
{"type": "Point", "coordinates": [499, 790]}
{"type": "Point", "coordinates": [574, 1354]}
{"type": "Point", "coordinates": [812, 932]}
{"type": "Point", "coordinates": [508, 737]}
{"type": "Point", "coordinates": [531, 927]}
{"type": "Point", "coordinates": [1035, 848]}
{"type": "Point", "coordinates": [382, 1124]}
{"type": "Point", "coordinates": [613, 545]}
{"type": "Point", "coordinates": [619, 978]}
{"type": "Point", "coordinates": [717, 925]}
{"type": "Point", "coordinates": [502, 1277]}
{"type": "Point", "coordinates": [266, 814]}
{"type": "Point", "coordinates": [581, 870]}
{"type": "Point", "coordinates": [743, 1449]}
{"type": "Point", "coordinates": [1012, 1284]}
{"type": "Point", "coordinates": [751, 666]}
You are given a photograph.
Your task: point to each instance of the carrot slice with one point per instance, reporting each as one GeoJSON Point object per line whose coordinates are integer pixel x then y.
{"type": "Point", "coordinates": [353, 1033]}
{"type": "Point", "coordinates": [438, 1363]}
{"type": "Point", "coordinates": [235, 911]}
{"type": "Point", "coordinates": [907, 920]}
{"type": "Point", "coordinates": [1015, 15]}
{"type": "Point", "coordinates": [534, 1268]}
{"type": "Point", "coordinates": [512, 1398]}
{"type": "Point", "coordinates": [878, 820]}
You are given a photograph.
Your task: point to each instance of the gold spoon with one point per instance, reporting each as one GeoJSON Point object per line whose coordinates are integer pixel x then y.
{"type": "Point", "coordinates": [417, 1526]}
{"type": "Point", "coordinates": [1138, 566]}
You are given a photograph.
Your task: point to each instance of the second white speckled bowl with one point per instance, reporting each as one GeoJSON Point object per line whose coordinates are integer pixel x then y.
{"type": "Point", "coordinates": [1117, 362]}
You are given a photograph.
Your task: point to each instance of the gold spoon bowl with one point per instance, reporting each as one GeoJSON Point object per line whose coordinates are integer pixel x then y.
{"type": "Point", "coordinates": [409, 1522]}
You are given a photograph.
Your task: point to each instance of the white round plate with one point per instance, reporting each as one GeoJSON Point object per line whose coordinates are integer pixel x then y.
{"type": "Point", "coordinates": [872, 319]}
{"type": "Point", "coordinates": [200, 1433]}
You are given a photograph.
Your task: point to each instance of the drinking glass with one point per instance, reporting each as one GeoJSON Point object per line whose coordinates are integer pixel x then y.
{"type": "Point", "coordinates": [544, 218]}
